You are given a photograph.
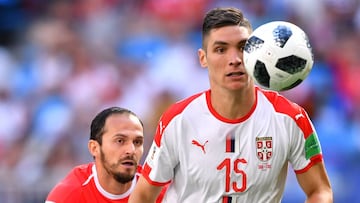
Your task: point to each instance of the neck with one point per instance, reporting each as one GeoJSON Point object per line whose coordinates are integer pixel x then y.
{"type": "Point", "coordinates": [233, 104]}
{"type": "Point", "coordinates": [110, 185]}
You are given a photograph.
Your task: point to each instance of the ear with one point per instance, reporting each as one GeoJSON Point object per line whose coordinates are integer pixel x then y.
{"type": "Point", "coordinates": [93, 147]}
{"type": "Point", "coordinates": [202, 58]}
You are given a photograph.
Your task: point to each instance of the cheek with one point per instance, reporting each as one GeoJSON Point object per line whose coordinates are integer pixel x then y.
{"type": "Point", "coordinates": [139, 153]}
{"type": "Point", "coordinates": [111, 150]}
{"type": "Point", "coordinates": [215, 67]}
{"type": "Point", "coordinates": [216, 61]}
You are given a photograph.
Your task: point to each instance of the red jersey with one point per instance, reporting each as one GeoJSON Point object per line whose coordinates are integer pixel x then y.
{"type": "Point", "coordinates": [81, 185]}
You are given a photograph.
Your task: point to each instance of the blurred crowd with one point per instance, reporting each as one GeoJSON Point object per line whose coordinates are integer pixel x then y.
{"type": "Point", "coordinates": [62, 61]}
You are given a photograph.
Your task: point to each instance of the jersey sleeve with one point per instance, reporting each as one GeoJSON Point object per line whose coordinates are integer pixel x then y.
{"type": "Point", "coordinates": [305, 145]}
{"type": "Point", "coordinates": [162, 194]}
{"type": "Point", "coordinates": [163, 155]}
{"type": "Point", "coordinates": [161, 159]}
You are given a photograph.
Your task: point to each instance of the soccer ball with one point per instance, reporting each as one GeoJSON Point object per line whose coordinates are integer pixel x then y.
{"type": "Point", "coordinates": [278, 55]}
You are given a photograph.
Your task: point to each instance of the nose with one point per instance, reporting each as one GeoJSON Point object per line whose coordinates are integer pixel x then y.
{"type": "Point", "coordinates": [130, 148]}
{"type": "Point", "coordinates": [235, 58]}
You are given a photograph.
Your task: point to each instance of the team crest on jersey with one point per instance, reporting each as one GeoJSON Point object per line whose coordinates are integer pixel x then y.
{"type": "Point", "coordinates": [264, 148]}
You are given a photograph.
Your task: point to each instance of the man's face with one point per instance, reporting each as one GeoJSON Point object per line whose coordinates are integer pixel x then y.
{"type": "Point", "coordinates": [223, 56]}
{"type": "Point", "coordinates": [122, 147]}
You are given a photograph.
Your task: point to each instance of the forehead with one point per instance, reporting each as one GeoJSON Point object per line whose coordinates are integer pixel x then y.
{"type": "Point", "coordinates": [228, 34]}
{"type": "Point", "coordinates": [123, 123]}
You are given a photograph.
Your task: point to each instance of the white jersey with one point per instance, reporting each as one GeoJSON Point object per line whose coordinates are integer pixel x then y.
{"type": "Point", "coordinates": [210, 158]}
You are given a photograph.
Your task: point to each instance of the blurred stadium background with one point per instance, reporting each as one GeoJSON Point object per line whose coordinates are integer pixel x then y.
{"type": "Point", "coordinates": [62, 61]}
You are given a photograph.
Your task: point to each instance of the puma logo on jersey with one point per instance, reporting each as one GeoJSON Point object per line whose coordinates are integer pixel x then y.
{"type": "Point", "coordinates": [298, 116]}
{"type": "Point", "coordinates": [202, 146]}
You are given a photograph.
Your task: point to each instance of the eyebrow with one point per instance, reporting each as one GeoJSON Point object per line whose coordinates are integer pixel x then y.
{"type": "Point", "coordinates": [242, 41]}
{"type": "Point", "coordinates": [119, 135]}
{"type": "Point", "coordinates": [125, 136]}
{"type": "Point", "coordinates": [225, 43]}
{"type": "Point", "coordinates": [220, 43]}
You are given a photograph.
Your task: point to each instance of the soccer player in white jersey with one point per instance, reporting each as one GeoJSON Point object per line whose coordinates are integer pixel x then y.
{"type": "Point", "coordinates": [233, 142]}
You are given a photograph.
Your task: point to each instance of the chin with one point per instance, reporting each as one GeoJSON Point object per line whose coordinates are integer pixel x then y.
{"type": "Point", "coordinates": [124, 177]}
{"type": "Point", "coordinates": [128, 171]}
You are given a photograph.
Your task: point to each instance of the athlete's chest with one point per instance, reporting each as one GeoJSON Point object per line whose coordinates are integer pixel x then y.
{"type": "Point", "coordinates": [236, 156]}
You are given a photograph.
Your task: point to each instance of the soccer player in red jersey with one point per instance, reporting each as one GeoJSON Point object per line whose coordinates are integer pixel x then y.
{"type": "Point", "coordinates": [116, 143]}
{"type": "Point", "coordinates": [235, 141]}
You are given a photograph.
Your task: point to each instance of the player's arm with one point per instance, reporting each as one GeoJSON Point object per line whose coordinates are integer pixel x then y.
{"type": "Point", "coordinates": [316, 185]}
{"type": "Point", "coordinates": [144, 192]}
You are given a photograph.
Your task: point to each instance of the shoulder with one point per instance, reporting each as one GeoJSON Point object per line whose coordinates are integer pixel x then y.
{"type": "Point", "coordinates": [284, 106]}
{"type": "Point", "coordinates": [173, 111]}
{"type": "Point", "coordinates": [138, 170]}
{"type": "Point", "coordinates": [281, 104]}
{"type": "Point", "coordinates": [70, 187]}
{"type": "Point", "coordinates": [177, 108]}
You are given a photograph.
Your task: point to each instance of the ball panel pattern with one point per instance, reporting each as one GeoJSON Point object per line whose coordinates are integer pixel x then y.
{"type": "Point", "coordinates": [261, 74]}
{"type": "Point", "coordinates": [253, 43]}
{"type": "Point", "coordinates": [281, 35]}
{"type": "Point", "coordinates": [291, 64]}
{"type": "Point", "coordinates": [296, 83]}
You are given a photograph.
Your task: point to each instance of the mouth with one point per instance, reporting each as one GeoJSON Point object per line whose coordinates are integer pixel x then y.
{"type": "Point", "coordinates": [234, 74]}
{"type": "Point", "coordinates": [128, 163]}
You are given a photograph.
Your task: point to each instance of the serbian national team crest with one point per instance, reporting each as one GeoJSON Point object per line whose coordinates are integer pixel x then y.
{"type": "Point", "coordinates": [264, 146]}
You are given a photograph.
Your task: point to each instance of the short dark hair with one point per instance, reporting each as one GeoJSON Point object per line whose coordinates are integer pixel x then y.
{"type": "Point", "coordinates": [98, 123]}
{"type": "Point", "coordinates": [221, 17]}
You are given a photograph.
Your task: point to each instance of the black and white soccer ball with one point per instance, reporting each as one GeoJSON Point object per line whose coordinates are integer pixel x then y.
{"type": "Point", "coordinates": [278, 55]}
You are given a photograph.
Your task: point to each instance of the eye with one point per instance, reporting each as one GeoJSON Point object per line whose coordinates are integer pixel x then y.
{"type": "Point", "coordinates": [138, 142]}
{"type": "Point", "coordinates": [242, 47]}
{"type": "Point", "coordinates": [120, 141]}
{"type": "Point", "coordinates": [219, 50]}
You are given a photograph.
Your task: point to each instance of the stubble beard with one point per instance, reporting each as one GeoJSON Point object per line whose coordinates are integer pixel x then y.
{"type": "Point", "coordinates": [111, 170]}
